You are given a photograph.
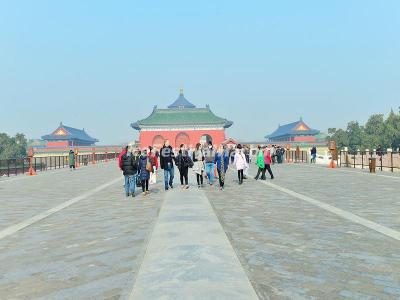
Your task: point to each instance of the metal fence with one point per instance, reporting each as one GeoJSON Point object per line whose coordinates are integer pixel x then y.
{"type": "Point", "coordinates": [297, 157]}
{"type": "Point", "coordinates": [13, 167]}
{"type": "Point", "coordinates": [385, 161]}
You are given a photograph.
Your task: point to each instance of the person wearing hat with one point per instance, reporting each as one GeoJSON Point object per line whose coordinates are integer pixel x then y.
{"type": "Point", "coordinates": [145, 168]}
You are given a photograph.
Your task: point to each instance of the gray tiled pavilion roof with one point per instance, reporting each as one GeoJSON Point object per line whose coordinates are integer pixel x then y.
{"type": "Point", "coordinates": [71, 134]}
{"type": "Point", "coordinates": [181, 113]}
{"type": "Point", "coordinates": [291, 129]}
{"type": "Point", "coordinates": [181, 102]}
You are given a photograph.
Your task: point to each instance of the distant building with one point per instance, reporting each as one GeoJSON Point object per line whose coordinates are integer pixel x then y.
{"type": "Point", "coordinates": [230, 142]}
{"type": "Point", "coordinates": [296, 132]}
{"type": "Point", "coordinates": [181, 123]}
{"type": "Point", "coordinates": [65, 136]}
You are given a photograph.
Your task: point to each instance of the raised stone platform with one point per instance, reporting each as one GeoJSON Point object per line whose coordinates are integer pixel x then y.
{"type": "Point", "coordinates": [310, 233]}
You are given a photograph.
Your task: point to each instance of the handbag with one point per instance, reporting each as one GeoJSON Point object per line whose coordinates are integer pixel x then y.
{"type": "Point", "coordinates": [149, 168]}
{"type": "Point", "coordinates": [153, 178]}
{"type": "Point", "coordinates": [189, 162]}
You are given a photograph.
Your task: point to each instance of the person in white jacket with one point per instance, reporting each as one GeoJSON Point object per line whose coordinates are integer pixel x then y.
{"type": "Point", "coordinates": [240, 162]}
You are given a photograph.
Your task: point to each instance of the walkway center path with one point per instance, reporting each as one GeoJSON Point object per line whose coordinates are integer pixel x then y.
{"type": "Point", "coordinates": [189, 255]}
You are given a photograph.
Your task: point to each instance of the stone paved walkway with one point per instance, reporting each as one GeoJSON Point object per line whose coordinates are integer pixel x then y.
{"type": "Point", "coordinates": [294, 250]}
{"type": "Point", "coordinates": [95, 247]}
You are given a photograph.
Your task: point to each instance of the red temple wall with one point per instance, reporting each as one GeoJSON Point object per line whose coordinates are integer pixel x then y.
{"type": "Point", "coordinates": [57, 144]}
{"type": "Point", "coordinates": [304, 139]}
{"type": "Point", "coordinates": [146, 137]}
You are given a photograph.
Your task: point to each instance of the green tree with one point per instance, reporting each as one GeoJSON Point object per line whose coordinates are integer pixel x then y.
{"type": "Point", "coordinates": [12, 147]}
{"type": "Point", "coordinates": [355, 134]}
{"type": "Point", "coordinates": [377, 131]}
{"type": "Point", "coordinates": [341, 137]}
{"type": "Point", "coordinates": [374, 129]}
{"type": "Point", "coordinates": [391, 134]}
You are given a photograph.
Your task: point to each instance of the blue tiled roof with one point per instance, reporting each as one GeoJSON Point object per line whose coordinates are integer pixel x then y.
{"type": "Point", "coordinates": [73, 134]}
{"type": "Point", "coordinates": [289, 129]}
{"type": "Point", "coordinates": [181, 102]}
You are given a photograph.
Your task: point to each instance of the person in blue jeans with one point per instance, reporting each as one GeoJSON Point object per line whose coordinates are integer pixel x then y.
{"type": "Point", "coordinates": [209, 157]}
{"type": "Point", "coordinates": [222, 164]}
{"type": "Point", "coordinates": [167, 159]}
{"type": "Point", "coordinates": [129, 166]}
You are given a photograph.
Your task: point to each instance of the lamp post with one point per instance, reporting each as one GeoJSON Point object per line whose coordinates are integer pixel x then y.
{"type": "Point", "coordinates": [93, 156]}
{"type": "Point", "coordinates": [76, 158]}
{"type": "Point", "coordinates": [334, 154]}
{"type": "Point", "coordinates": [31, 153]}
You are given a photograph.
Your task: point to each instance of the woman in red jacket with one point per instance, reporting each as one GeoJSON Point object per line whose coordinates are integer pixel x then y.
{"type": "Point", "coordinates": [267, 162]}
{"type": "Point", "coordinates": [153, 155]}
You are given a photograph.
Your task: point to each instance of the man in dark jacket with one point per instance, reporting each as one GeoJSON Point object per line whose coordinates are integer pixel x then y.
{"type": "Point", "coordinates": [123, 152]}
{"type": "Point", "coordinates": [313, 155]}
{"type": "Point", "coordinates": [167, 158]}
{"type": "Point", "coordinates": [129, 166]}
{"type": "Point", "coordinates": [184, 162]}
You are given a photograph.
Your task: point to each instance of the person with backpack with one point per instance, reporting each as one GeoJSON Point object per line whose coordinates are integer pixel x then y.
{"type": "Point", "coordinates": [260, 162]}
{"type": "Point", "coordinates": [184, 162]}
{"type": "Point", "coordinates": [222, 163]}
{"type": "Point", "coordinates": [145, 168]}
{"type": "Point", "coordinates": [240, 163]}
{"type": "Point", "coordinates": [167, 158]}
{"type": "Point", "coordinates": [129, 166]}
{"type": "Point", "coordinates": [198, 167]}
{"type": "Point", "coordinates": [71, 158]}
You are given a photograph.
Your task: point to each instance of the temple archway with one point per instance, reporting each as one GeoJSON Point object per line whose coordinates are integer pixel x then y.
{"type": "Point", "coordinates": [205, 138]}
{"type": "Point", "coordinates": [182, 138]}
{"type": "Point", "coordinates": [158, 141]}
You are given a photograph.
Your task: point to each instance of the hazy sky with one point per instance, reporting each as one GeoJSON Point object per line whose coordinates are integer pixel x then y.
{"type": "Point", "coordinates": [103, 64]}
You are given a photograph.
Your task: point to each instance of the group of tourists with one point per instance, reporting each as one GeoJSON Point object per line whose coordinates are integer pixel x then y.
{"type": "Point", "coordinates": [137, 167]}
{"type": "Point", "coordinates": [264, 160]}
{"type": "Point", "coordinates": [207, 162]}
{"type": "Point", "coordinates": [277, 154]}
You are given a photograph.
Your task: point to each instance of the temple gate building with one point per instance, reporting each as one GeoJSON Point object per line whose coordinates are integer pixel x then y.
{"type": "Point", "coordinates": [296, 132]}
{"type": "Point", "coordinates": [65, 136]}
{"type": "Point", "coordinates": [181, 123]}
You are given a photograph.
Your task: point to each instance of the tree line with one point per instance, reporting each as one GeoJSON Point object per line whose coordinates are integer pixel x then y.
{"type": "Point", "coordinates": [13, 146]}
{"type": "Point", "coordinates": [377, 131]}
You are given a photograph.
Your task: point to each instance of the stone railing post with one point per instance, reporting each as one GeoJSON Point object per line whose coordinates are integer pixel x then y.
{"type": "Point", "coordinates": [346, 156]}
{"type": "Point", "coordinates": [390, 156]}
{"type": "Point", "coordinates": [366, 156]}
